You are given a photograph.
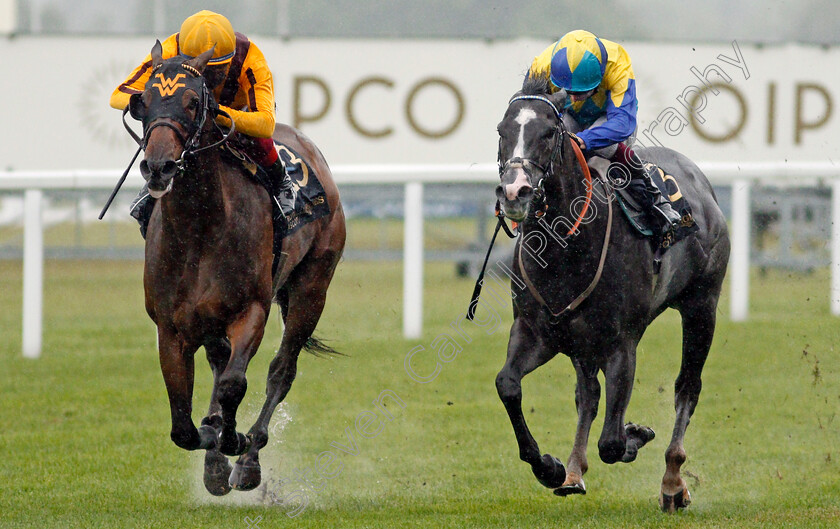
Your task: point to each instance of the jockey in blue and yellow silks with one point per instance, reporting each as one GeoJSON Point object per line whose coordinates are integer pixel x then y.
{"type": "Point", "coordinates": [242, 84]}
{"type": "Point", "coordinates": [598, 78]}
{"type": "Point", "coordinates": [601, 103]}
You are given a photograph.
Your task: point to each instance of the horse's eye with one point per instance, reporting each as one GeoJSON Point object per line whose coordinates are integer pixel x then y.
{"type": "Point", "coordinates": [193, 104]}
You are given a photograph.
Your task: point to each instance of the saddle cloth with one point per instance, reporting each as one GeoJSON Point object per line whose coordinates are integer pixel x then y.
{"type": "Point", "coordinates": [632, 197]}
{"type": "Point", "coordinates": [311, 203]}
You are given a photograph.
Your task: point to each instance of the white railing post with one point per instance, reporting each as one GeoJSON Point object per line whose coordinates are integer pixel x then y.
{"type": "Point", "coordinates": [835, 246]}
{"type": "Point", "coordinates": [413, 261]}
{"type": "Point", "coordinates": [739, 264]}
{"type": "Point", "coordinates": [33, 273]}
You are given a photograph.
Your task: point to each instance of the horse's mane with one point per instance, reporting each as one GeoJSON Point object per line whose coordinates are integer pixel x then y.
{"type": "Point", "coordinates": [533, 86]}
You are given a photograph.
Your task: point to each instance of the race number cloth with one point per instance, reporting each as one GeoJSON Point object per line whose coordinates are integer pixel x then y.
{"type": "Point", "coordinates": [631, 198]}
{"type": "Point", "coordinates": [311, 203]}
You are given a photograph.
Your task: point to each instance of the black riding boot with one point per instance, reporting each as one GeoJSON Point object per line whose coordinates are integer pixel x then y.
{"type": "Point", "coordinates": [283, 195]}
{"type": "Point", "coordinates": [141, 209]}
{"type": "Point", "coordinates": [658, 206]}
{"type": "Point", "coordinates": [282, 189]}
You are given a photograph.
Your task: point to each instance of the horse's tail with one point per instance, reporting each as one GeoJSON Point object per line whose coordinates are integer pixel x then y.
{"type": "Point", "coordinates": [317, 347]}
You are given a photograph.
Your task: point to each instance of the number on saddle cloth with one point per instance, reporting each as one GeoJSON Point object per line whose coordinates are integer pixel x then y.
{"type": "Point", "coordinates": [669, 188]}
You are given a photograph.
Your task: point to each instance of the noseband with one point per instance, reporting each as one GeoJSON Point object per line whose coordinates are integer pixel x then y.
{"type": "Point", "coordinates": [172, 119]}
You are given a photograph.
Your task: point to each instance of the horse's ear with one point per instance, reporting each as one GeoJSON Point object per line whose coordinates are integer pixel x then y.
{"type": "Point", "coordinates": [136, 107]}
{"type": "Point", "coordinates": [200, 62]}
{"type": "Point", "coordinates": [157, 54]}
{"type": "Point", "coordinates": [559, 99]}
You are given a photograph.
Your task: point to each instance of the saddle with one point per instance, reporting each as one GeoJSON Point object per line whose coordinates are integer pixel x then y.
{"type": "Point", "coordinates": [633, 197]}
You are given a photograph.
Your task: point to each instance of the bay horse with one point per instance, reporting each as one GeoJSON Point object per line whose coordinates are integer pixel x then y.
{"type": "Point", "coordinates": [208, 275]}
{"type": "Point", "coordinates": [589, 290]}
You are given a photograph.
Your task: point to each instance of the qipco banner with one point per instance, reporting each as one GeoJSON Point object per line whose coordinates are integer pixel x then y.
{"type": "Point", "coordinates": [431, 101]}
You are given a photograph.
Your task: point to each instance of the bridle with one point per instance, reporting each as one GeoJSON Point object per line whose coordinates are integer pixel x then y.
{"type": "Point", "coordinates": [178, 123]}
{"type": "Point", "coordinates": [557, 154]}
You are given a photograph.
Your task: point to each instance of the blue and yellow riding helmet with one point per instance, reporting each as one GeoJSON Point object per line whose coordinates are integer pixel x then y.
{"type": "Point", "coordinates": [578, 62]}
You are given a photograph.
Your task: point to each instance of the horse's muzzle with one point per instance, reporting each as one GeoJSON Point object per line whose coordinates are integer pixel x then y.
{"type": "Point", "coordinates": [159, 174]}
{"type": "Point", "coordinates": [515, 194]}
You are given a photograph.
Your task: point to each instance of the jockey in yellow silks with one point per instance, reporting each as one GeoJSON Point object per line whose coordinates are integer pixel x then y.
{"type": "Point", "coordinates": [601, 103]}
{"type": "Point", "coordinates": [241, 82]}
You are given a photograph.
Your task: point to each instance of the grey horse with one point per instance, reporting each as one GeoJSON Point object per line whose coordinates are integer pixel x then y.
{"type": "Point", "coordinates": [584, 285]}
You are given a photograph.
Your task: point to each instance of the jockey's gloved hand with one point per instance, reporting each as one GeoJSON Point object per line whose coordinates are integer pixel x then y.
{"type": "Point", "coordinates": [579, 141]}
{"type": "Point", "coordinates": [220, 114]}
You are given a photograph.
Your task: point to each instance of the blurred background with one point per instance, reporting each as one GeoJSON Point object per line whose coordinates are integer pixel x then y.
{"type": "Point", "coordinates": [811, 21]}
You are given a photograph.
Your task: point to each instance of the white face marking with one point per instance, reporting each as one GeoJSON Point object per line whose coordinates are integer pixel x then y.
{"type": "Point", "coordinates": [525, 115]}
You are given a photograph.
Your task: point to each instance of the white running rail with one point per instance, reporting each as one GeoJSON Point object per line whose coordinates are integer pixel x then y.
{"type": "Point", "coordinates": [738, 175]}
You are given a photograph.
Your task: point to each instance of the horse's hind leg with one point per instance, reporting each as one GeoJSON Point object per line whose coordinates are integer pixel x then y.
{"type": "Point", "coordinates": [177, 366]}
{"type": "Point", "coordinates": [245, 335]}
{"type": "Point", "coordinates": [307, 291]}
{"type": "Point", "coordinates": [621, 441]}
{"type": "Point", "coordinates": [526, 352]}
{"type": "Point", "coordinates": [698, 323]}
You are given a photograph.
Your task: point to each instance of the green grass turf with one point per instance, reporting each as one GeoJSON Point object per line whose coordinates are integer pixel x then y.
{"type": "Point", "coordinates": [85, 429]}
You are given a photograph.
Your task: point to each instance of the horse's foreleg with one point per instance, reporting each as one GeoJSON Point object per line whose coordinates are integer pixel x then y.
{"type": "Point", "coordinates": [176, 364]}
{"type": "Point", "coordinates": [698, 322]}
{"type": "Point", "coordinates": [526, 353]}
{"type": "Point", "coordinates": [245, 335]}
{"type": "Point", "coordinates": [587, 395]}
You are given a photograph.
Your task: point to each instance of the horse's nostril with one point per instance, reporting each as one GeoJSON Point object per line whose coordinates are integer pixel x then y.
{"type": "Point", "coordinates": [500, 192]}
{"type": "Point", "coordinates": [144, 169]}
{"type": "Point", "coordinates": [526, 192]}
{"type": "Point", "coordinates": [169, 168]}
{"type": "Point", "coordinates": [158, 168]}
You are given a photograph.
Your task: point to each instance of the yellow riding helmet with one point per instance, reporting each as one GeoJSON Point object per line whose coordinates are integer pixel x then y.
{"type": "Point", "coordinates": [204, 29]}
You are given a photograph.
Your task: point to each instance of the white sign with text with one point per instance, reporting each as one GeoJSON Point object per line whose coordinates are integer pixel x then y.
{"type": "Point", "coordinates": [430, 101]}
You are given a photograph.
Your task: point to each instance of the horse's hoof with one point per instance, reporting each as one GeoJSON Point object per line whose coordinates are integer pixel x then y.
{"type": "Point", "coordinates": [637, 437]}
{"type": "Point", "coordinates": [572, 485]}
{"type": "Point", "coordinates": [642, 434]}
{"type": "Point", "coordinates": [217, 471]}
{"type": "Point", "coordinates": [208, 438]}
{"type": "Point", "coordinates": [235, 446]}
{"type": "Point", "coordinates": [672, 504]}
{"type": "Point", "coordinates": [551, 473]}
{"type": "Point", "coordinates": [245, 477]}
{"type": "Point", "coordinates": [568, 490]}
